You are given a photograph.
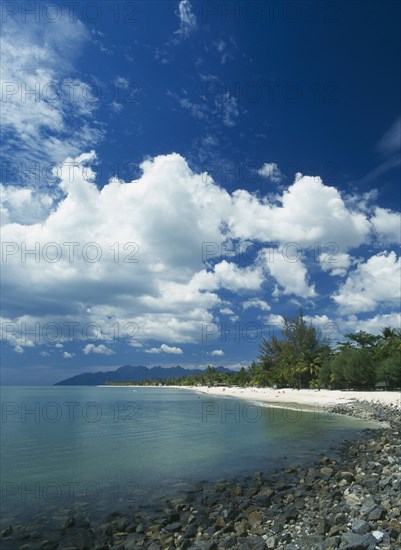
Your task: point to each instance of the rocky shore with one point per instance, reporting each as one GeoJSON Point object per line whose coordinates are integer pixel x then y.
{"type": "Point", "coordinates": [351, 500]}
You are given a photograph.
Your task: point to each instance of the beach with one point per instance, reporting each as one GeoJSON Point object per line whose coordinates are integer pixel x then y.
{"type": "Point", "coordinates": [304, 399]}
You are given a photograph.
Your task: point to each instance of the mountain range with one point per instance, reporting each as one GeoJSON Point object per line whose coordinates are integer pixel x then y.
{"type": "Point", "coordinates": [129, 373]}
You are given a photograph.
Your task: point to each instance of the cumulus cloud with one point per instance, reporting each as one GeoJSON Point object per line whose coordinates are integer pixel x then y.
{"type": "Point", "coordinates": [387, 225]}
{"type": "Point", "coordinates": [217, 352]}
{"type": "Point", "coordinates": [335, 263]}
{"type": "Point", "coordinates": [271, 171]}
{"type": "Point", "coordinates": [23, 205]}
{"type": "Point", "coordinates": [226, 311]}
{"type": "Point", "coordinates": [257, 303]}
{"type": "Point", "coordinates": [373, 325]}
{"type": "Point", "coordinates": [68, 355]}
{"type": "Point", "coordinates": [308, 212]}
{"type": "Point", "coordinates": [149, 234]}
{"type": "Point", "coordinates": [166, 349]}
{"type": "Point", "coordinates": [375, 282]}
{"type": "Point", "coordinates": [101, 349]}
{"type": "Point", "coordinates": [289, 272]}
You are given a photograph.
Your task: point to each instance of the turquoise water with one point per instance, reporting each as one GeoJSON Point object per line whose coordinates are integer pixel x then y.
{"type": "Point", "coordinates": [110, 448]}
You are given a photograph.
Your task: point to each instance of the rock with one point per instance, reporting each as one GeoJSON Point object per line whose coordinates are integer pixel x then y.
{"type": "Point", "coordinates": [7, 532]}
{"type": "Point", "coordinates": [340, 519]}
{"type": "Point", "coordinates": [360, 526]}
{"type": "Point", "coordinates": [345, 476]}
{"type": "Point", "coordinates": [203, 545]}
{"type": "Point", "coordinates": [241, 528]}
{"type": "Point", "coordinates": [358, 542]}
{"type": "Point", "coordinates": [352, 500]}
{"type": "Point", "coordinates": [326, 471]}
{"type": "Point", "coordinates": [270, 542]}
{"type": "Point", "coordinates": [69, 523]}
{"type": "Point", "coordinates": [322, 527]}
{"type": "Point", "coordinates": [378, 535]}
{"type": "Point", "coordinates": [236, 491]}
{"type": "Point", "coordinates": [255, 518]}
{"type": "Point", "coordinates": [291, 513]}
{"type": "Point", "coordinates": [172, 527]}
{"type": "Point", "coordinates": [394, 527]}
{"type": "Point", "coordinates": [376, 514]}
{"type": "Point", "coordinates": [190, 531]}
{"type": "Point", "coordinates": [132, 541]}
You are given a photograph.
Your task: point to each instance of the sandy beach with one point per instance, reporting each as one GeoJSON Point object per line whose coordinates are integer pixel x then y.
{"type": "Point", "coordinates": [304, 399]}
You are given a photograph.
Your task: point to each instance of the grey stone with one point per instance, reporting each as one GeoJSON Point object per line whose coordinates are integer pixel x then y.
{"type": "Point", "coordinates": [358, 542]}
{"type": "Point", "coordinates": [375, 514]}
{"type": "Point", "coordinates": [360, 526]}
{"type": "Point", "coordinates": [172, 527]}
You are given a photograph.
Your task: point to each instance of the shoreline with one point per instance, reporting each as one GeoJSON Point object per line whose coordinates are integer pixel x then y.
{"type": "Point", "coordinates": [305, 399]}
{"type": "Point", "coordinates": [347, 498]}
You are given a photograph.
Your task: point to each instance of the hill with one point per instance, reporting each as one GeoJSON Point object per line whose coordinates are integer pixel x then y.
{"type": "Point", "coordinates": [132, 374]}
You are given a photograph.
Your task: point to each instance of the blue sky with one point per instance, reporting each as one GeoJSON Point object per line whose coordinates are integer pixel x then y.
{"type": "Point", "coordinates": [189, 172]}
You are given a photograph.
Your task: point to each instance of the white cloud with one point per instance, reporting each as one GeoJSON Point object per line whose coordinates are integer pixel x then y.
{"type": "Point", "coordinates": [257, 303]}
{"type": "Point", "coordinates": [166, 349]}
{"type": "Point", "coordinates": [226, 311]}
{"type": "Point", "coordinates": [55, 120]}
{"type": "Point", "coordinates": [217, 352]}
{"type": "Point", "coordinates": [187, 19]}
{"type": "Point", "coordinates": [101, 349]}
{"type": "Point", "coordinates": [160, 285]}
{"type": "Point", "coordinates": [308, 212]}
{"type": "Point", "coordinates": [274, 319]}
{"type": "Point", "coordinates": [290, 275]}
{"type": "Point", "coordinates": [387, 225]}
{"type": "Point", "coordinates": [271, 171]}
{"type": "Point", "coordinates": [228, 275]}
{"type": "Point", "coordinates": [23, 205]}
{"type": "Point", "coordinates": [335, 263]}
{"type": "Point", "coordinates": [374, 282]}
{"type": "Point", "coordinates": [373, 325]}
{"type": "Point", "coordinates": [68, 355]}
{"type": "Point", "coordinates": [171, 349]}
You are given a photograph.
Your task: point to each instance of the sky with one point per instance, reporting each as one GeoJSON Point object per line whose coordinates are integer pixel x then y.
{"type": "Point", "coordinates": [177, 176]}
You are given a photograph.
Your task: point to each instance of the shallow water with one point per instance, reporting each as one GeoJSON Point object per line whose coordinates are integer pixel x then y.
{"type": "Point", "coordinates": [111, 448]}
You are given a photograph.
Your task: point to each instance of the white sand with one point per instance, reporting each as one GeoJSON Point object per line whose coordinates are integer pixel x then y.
{"type": "Point", "coordinates": [304, 399]}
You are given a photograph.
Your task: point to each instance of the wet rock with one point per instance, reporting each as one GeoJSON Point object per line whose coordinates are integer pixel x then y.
{"type": "Point", "coordinates": [172, 527]}
{"type": "Point", "coordinates": [7, 532]}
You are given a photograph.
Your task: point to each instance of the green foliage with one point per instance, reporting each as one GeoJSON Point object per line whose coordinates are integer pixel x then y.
{"type": "Point", "coordinates": [389, 371]}
{"type": "Point", "coordinates": [301, 359]}
{"type": "Point", "coordinates": [295, 359]}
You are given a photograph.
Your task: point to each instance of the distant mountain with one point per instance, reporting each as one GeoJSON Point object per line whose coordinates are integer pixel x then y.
{"type": "Point", "coordinates": [131, 374]}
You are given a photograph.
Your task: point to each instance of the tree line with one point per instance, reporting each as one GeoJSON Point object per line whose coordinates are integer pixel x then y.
{"type": "Point", "coordinates": [302, 358]}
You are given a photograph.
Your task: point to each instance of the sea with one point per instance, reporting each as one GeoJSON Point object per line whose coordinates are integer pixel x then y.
{"type": "Point", "coordinates": [99, 449]}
